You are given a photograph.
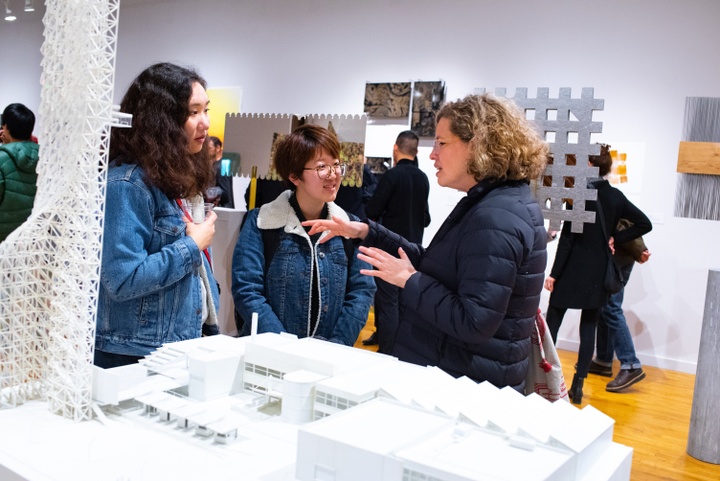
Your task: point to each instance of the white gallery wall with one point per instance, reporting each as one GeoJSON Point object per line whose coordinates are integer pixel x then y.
{"type": "Point", "coordinates": [643, 57]}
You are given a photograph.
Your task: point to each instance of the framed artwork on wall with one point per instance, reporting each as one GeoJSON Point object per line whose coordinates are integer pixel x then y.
{"type": "Point", "coordinates": [387, 100]}
{"type": "Point", "coordinates": [427, 99]}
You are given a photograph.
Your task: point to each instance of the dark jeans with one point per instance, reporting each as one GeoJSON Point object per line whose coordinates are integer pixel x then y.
{"type": "Point", "coordinates": [387, 314]}
{"type": "Point", "coordinates": [107, 360]}
{"type": "Point", "coordinates": [588, 325]}
{"type": "Point", "coordinates": [613, 334]}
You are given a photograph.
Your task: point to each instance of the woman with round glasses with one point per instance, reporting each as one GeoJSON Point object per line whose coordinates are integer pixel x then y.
{"type": "Point", "coordinates": [294, 283]}
{"type": "Point", "coordinates": [468, 301]}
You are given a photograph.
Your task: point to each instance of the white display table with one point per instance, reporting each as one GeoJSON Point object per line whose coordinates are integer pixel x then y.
{"type": "Point", "coordinates": [227, 229]}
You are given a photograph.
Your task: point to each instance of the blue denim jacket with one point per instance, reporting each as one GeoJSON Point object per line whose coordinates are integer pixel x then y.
{"type": "Point", "coordinates": [149, 279]}
{"type": "Point", "coordinates": [282, 300]}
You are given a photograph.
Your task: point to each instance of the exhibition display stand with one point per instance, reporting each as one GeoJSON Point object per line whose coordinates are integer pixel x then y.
{"type": "Point", "coordinates": [704, 437]}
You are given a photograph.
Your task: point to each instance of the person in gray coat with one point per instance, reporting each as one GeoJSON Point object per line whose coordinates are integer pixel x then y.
{"type": "Point", "coordinates": [469, 301]}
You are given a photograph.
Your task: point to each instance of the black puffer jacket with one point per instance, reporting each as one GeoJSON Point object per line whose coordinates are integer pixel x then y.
{"type": "Point", "coordinates": [471, 306]}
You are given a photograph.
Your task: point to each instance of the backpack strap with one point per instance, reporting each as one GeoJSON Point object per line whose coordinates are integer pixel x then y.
{"type": "Point", "coordinates": [271, 240]}
{"type": "Point", "coordinates": [349, 246]}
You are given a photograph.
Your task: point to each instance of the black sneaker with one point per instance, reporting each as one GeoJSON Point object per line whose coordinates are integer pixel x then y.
{"type": "Point", "coordinates": [599, 369]}
{"type": "Point", "coordinates": [625, 379]}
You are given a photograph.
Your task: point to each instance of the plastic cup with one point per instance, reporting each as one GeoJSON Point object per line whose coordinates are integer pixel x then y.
{"type": "Point", "coordinates": [199, 211]}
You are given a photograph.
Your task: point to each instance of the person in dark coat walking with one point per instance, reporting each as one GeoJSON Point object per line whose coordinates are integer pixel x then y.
{"type": "Point", "coordinates": [469, 300]}
{"type": "Point", "coordinates": [576, 278]}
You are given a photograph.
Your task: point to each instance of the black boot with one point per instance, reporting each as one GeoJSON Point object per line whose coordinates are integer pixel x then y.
{"type": "Point", "coordinates": [575, 392]}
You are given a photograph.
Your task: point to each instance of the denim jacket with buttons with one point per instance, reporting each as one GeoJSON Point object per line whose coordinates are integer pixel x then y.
{"type": "Point", "coordinates": [149, 280]}
{"type": "Point", "coordinates": [282, 297]}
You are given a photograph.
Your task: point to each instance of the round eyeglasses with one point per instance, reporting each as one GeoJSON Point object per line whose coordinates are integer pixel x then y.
{"type": "Point", "coordinates": [323, 171]}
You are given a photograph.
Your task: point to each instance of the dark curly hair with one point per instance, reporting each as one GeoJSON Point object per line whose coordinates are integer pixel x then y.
{"type": "Point", "coordinates": [503, 144]}
{"type": "Point", "coordinates": [158, 101]}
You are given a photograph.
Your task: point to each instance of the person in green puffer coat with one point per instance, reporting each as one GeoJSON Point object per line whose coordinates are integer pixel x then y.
{"type": "Point", "coordinates": [18, 159]}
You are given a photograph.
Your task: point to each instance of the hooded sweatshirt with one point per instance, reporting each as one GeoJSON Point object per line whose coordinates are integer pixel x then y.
{"type": "Point", "coordinates": [17, 184]}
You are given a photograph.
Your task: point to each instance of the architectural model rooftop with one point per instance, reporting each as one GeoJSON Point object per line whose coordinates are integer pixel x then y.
{"type": "Point", "coordinates": [356, 415]}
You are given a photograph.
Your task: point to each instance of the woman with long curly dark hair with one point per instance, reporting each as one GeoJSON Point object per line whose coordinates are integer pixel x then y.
{"type": "Point", "coordinates": [156, 282]}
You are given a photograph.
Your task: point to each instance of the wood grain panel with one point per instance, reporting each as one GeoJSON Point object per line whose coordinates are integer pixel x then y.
{"type": "Point", "coordinates": [699, 158]}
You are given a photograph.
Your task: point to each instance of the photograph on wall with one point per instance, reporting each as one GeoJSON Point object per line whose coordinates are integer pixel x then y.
{"type": "Point", "coordinates": [627, 168]}
{"type": "Point", "coordinates": [272, 173]}
{"type": "Point", "coordinates": [427, 99]}
{"type": "Point", "coordinates": [352, 154]}
{"type": "Point", "coordinates": [387, 100]}
{"type": "Point", "coordinates": [379, 165]}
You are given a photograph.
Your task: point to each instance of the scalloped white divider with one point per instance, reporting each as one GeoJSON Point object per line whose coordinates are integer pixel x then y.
{"type": "Point", "coordinates": [50, 266]}
{"type": "Point", "coordinates": [251, 135]}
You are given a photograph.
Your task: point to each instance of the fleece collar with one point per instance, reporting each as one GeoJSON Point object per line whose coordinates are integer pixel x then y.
{"type": "Point", "coordinates": [279, 213]}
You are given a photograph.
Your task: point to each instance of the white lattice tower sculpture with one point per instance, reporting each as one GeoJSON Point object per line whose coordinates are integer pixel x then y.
{"type": "Point", "coordinates": [50, 266]}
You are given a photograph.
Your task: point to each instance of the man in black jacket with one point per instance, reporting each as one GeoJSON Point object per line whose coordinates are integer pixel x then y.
{"type": "Point", "coordinates": [400, 203]}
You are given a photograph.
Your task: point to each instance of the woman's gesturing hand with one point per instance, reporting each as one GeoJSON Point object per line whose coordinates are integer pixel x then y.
{"type": "Point", "coordinates": [337, 227]}
{"type": "Point", "coordinates": [388, 268]}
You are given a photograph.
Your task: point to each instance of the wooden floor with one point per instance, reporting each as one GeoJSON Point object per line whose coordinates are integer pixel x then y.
{"type": "Point", "coordinates": [652, 417]}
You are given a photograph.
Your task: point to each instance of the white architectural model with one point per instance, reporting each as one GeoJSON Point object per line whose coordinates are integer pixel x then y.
{"type": "Point", "coordinates": [50, 266]}
{"type": "Point", "coordinates": [375, 417]}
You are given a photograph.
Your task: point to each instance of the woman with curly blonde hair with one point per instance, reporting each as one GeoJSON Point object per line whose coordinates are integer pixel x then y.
{"type": "Point", "coordinates": [503, 145]}
{"type": "Point", "coordinates": [469, 300]}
